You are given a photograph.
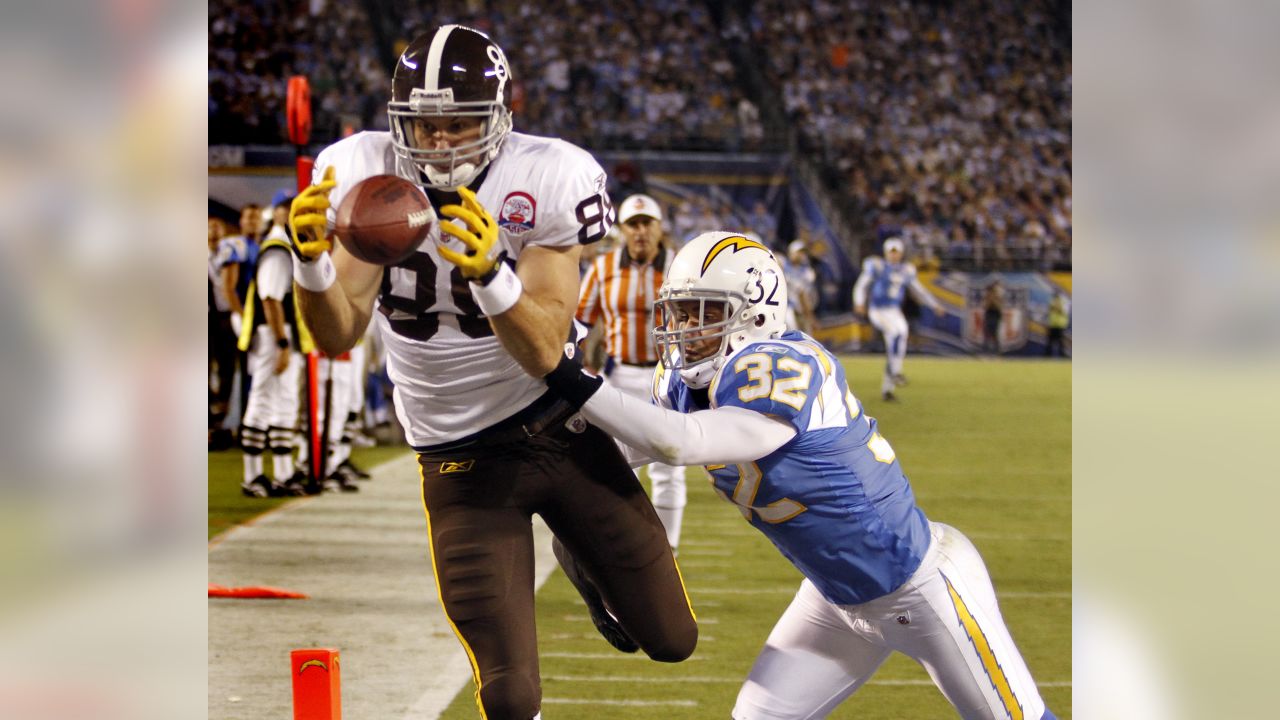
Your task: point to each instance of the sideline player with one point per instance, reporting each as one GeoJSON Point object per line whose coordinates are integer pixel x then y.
{"type": "Point", "coordinates": [273, 338]}
{"type": "Point", "coordinates": [460, 317]}
{"type": "Point", "coordinates": [619, 288]}
{"type": "Point", "coordinates": [888, 280]}
{"type": "Point", "coordinates": [769, 412]}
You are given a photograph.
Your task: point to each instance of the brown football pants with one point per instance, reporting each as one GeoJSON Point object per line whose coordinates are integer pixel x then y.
{"type": "Point", "coordinates": [479, 502]}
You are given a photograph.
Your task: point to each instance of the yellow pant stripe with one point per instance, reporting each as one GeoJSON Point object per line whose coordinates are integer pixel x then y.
{"type": "Point", "coordinates": [988, 657]}
{"type": "Point", "coordinates": [686, 593]}
{"type": "Point", "coordinates": [475, 667]}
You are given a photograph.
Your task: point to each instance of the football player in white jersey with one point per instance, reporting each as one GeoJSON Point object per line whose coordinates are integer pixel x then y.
{"type": "Point", "coordinates": [888, 280]}
{"type": "Point", "coordinates": [488, 293]}
{"type": "Point", "coordinates": [769, 412]}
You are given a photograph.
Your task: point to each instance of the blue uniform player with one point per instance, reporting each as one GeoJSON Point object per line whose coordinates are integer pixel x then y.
{"type": "Point", "coordinates": [887, 280]}
{"type": "Point", "coordinates": [769, 412]}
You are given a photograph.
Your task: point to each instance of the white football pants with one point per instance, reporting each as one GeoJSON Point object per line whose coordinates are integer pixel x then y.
{"type": "Point", "coordinates": [271, 412]}
{"type": "Point", "coordinates": [668, 494]}
{"type": "Point", "coordinates": [343, 379]}
{"type": "Point", "coordinates": [893, 325]}
{"type": "Point", "coordinates": [945, 617]}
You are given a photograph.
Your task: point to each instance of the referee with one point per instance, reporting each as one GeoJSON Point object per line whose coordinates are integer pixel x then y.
{"type": "Point", "coordinates": [619, 289]}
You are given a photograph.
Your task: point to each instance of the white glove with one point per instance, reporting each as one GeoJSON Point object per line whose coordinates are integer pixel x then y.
{"type": "Point", "coordinates": [236, 323]}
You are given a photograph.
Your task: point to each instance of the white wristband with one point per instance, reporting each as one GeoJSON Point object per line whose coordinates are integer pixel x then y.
{"type": "Point", "coordinates": [317, 275]}
{"type": "Point", "coordinates": [502, 292]}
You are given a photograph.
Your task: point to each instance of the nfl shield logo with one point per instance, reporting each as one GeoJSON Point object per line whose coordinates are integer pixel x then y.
{"type": "Point", "coordinates": [576, 424]}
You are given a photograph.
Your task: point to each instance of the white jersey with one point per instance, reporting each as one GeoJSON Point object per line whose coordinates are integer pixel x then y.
{"type": "Point", "coordinates": [452, 377]}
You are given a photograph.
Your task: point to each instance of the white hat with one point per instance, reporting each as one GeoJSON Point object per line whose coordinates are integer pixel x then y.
{"type": "Point", "coordinates": [639, 205]}
{"type": "Point", "coordinates": [893, 244]}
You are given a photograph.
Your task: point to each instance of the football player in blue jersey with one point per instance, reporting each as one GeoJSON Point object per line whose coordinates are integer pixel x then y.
{"type": "Point", "coordinates": [887, 279]}
{"type": "Point", "coordinates": [769, 412]}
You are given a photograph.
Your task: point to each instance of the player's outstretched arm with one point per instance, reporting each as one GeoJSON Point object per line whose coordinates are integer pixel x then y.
{"type": "Point", "coordinates": [925, 297]}
{"type": "Point", "coordinates": [336, 291]}
{"type": "Point", "coordinates": [722, 435]}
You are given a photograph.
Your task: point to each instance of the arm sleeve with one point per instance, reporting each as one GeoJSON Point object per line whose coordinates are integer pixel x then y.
{"type": "Point", "coordinates": [864, 280]}
{"type": "Point", "coordinates": [275, 274]}
{"type": "Point", "coordinates": [723, 435]}
{"type": "Point", "coordinates": [922, 294]}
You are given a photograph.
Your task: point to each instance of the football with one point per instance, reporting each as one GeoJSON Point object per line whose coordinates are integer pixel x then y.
{"type": "Point", "coordinates": [383, 219]}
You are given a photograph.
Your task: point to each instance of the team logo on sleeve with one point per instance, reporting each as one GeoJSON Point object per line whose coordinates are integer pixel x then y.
{"type": "Point", "coordinates": [517, 214]}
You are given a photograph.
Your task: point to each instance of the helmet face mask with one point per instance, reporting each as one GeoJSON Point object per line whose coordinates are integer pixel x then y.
{"type": "Point", "coordinates": [450, 74]}
{"type": "Point", "coordinates": [720, 287]}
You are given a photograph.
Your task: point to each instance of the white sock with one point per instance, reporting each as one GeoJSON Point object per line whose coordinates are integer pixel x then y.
{"type": "Point", "coordinates": [282, 464]}
{"type": "Point", "coordinates": [670, 518]}
{"type": "Point", "coordinates": [252, 467]}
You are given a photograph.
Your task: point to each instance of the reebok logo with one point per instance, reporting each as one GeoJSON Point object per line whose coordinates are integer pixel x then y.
{"type": "Point", "coordinates": [450, 466]}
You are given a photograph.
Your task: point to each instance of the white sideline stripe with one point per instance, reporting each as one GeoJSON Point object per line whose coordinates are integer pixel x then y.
{"type": "Point", "coordinates": [625, 703]}
{"type": "Point", "coordinates": [735, 680]}
{"type": "Point", "coordinates": [610, 656]}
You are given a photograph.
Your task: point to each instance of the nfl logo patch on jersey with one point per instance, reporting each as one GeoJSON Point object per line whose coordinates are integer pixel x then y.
{"type": "Point", "coordinates": [576, 424]}
{"type": "Point", "coordinates": [517, 214]}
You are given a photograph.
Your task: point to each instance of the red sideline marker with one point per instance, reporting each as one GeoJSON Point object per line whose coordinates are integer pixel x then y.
{"type": "Point", "coordinates": [317, 686]}
{"type": "Point", "coordinates": [255, 591]}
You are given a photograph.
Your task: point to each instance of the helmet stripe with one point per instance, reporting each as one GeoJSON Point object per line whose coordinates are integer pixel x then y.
{"type": "Point", "coordinates": [734, 242]}
{"type": "Point", "coordinates": [434, 53]}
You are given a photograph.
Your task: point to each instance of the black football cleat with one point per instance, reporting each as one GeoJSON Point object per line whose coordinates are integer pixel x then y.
{"type": "Point", "coordinates": [888, 396]}
{"type": "Point", "coordinates": [338, 482]}
{"type": "Point", "coordinates": [605, 622]}
{"type": "Point", "coordinates": [259, 487]}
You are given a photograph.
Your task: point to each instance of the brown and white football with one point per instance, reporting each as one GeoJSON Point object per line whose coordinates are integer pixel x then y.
{"type": "Point", "coordinates": [383, 219]}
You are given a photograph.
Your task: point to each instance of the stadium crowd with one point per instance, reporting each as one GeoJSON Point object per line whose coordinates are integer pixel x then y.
{"type": "Point", "coordinates": [632, 89]}
{"type": "Point", "coordinates": [946, 124]}
{"type": "Point", "coordinates": [949, 123]}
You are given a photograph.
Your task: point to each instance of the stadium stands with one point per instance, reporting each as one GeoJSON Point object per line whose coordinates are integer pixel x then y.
{"type": "Point", "coordinates": [947, 123]}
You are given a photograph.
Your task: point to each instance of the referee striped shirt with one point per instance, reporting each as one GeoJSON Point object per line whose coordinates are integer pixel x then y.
{"type": "Point", "coordinates": [621, 292]}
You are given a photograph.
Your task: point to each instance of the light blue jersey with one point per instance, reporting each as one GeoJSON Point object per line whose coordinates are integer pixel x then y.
{"type": "Point", "coordinates": [888, 281]}
{"type": "Point", "coordinates": [833, 499]}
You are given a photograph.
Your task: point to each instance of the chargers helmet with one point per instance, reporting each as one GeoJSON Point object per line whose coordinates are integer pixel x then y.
{"type": "Point", "coordinates": [454, 71]}
{"type": "Point", "coordinates": [729, 269]}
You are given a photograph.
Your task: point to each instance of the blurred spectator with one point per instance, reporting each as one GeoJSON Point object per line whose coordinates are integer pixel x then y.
{"type": "Point", "coordinates": [1059, 318]}
{"type": "Point", "coordinates": [802, 287]}
{"type": "Point", "coordinates": [222, 345]}
{"type": "Point", "coordinates": [992, 316]}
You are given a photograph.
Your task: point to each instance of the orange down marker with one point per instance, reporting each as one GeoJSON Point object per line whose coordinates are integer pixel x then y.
{"type": "Point", "coordinates": [317, 686]}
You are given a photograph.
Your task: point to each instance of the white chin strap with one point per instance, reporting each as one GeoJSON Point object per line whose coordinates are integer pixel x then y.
{"type": "Point", "coordinates": [463, 174]}
{"type": "Point", "coordinates": [699, 376]}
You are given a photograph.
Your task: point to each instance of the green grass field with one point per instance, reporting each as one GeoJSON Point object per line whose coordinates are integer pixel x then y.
{"type": "Point", "coordinates": [228, 507]}
{"type": "Point", "coordinates": [987, 445]}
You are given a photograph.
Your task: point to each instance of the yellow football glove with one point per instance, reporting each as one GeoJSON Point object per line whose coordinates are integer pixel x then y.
{"type": "Point", "coordinates": [308, 218]}
{"type": "Point", "coordinates": [480, 236]}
